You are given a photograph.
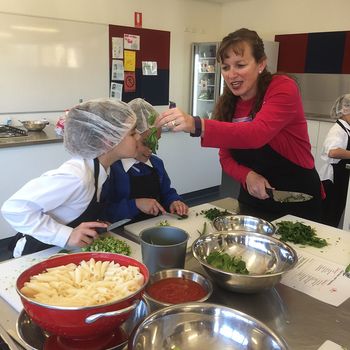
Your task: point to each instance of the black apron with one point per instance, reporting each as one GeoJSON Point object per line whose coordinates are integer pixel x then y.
{"type": "Point", "coordinates": [336, 191]}
{"type": "Point", "coordinates": [282, 174]}
{"type": "Point", "coordinates": [144, 186]}
{"type": "Point", "coordinates": [91, 213]}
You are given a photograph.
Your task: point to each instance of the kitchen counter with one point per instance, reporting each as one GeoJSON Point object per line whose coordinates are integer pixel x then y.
{"type": "Point", "coordinates": [304, 322]}
{"type": "Point", "coordinates": [48, 135]}
{"type": "Point", "coordinates": [319, 117]}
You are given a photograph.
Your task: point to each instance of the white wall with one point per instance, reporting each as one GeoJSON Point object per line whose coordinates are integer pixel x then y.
{"type": "Point", "coordinates": [271, 17]}
{"type": "Point", "coordinates": [187, 20]}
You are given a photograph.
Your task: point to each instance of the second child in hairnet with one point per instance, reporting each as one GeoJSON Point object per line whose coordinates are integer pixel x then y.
{"type": "Point", "coordinates": [139, 187]}
{"type": "Point", "coordinates": [61, 207]}
{"type": "Point", "coordinates": [335, 155]}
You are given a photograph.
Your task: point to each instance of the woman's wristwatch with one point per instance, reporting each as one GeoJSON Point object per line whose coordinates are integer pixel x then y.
{"type": "Point", "coordinates": [197, 127]}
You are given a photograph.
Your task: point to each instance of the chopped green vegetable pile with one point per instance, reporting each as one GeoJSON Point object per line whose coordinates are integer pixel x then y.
{"type": "Point", "coordinates": [108, 244]}
{"type": "Point", "coordinates": [213, 213]}
{"type": "Point", "coordinates": [164, 223]}
{"type": "Point", "coordinates": [297, 232]}
{"type": "Point", "coordinates": [228, 263]}
{"type": "Point", "coordinates": [152, 139]}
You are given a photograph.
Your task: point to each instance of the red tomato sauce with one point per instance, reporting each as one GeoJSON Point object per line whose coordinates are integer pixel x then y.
{"type": "Point", "coordinates": [176, 290]}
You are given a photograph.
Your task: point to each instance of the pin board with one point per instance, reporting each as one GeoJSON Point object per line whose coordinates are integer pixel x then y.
{"type": "Point", "coordinates": [50, 64]}
{"type": "Point", "coordinates": [150, 50]}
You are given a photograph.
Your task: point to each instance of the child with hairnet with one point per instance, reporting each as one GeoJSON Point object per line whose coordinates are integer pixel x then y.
{"type": "Point", "coordinates": [62, 207]}
{"type": "Point", "coordinates": [335, 155]}
{"type": "Point", "coordinates": [139, 187]}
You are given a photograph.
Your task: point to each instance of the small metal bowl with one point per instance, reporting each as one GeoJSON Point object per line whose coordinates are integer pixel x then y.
{"type": "Point", "coordinates": [34, 125]}
{"type": "Point", "coordinates": [203, 326]}
{"type": "Point", "coordinates": [155, 304]}
{"type": "Point", "coordinates": [266, 258]}
{"type": "Point", "coordinates": [244, 223]}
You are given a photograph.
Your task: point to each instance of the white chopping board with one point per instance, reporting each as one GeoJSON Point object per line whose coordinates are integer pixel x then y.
{"type": "Point", "coordinates": [191, 225]}
{"type": "Point", "coordinates": [11, 269]}
{"type": "Point", "coordinates": [338, 248]}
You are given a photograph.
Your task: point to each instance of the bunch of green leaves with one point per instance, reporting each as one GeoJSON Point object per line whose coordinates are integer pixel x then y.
{"type": "Point", "coordinates": [297, 232]}
{"type": "Point", "coordinates": [213, 213]}
{"type": "Point", "coordinates": [108, 244]}
{"type": "Point", "coordinates": [228, 263]}
{"type": "Point", "coordinates": [152, 139]}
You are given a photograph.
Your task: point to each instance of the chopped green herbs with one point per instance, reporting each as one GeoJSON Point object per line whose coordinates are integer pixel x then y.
{"type": "Point", "coordinates": [297, 232]}
{"type": "Point", "coordinates": [164, 223]}
{"type": "Point", "coordinates": [152, 139]}
{"type": "Point", "coordinates": [108, 244]}
{"type": "Point", "coordinates": [228, 263]}
{"type": "Point", "coordinates": [213, 213]}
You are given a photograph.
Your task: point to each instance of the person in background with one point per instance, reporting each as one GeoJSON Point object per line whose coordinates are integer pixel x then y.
{"type": "Point", "coordinates": [140, 188]}
{"type": "Point", "coordinates": [260, 129]}
{"type": "Point", "coordinates": [335, 155]}
{"type": "Point", "coordinates": [61, 207]}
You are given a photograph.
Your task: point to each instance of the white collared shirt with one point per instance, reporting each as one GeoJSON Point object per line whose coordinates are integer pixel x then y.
{"type": "Point", "coordinates": [43, 206]}
{"type": "Point", "coordinates": [129, 163]}
{"type": "Point", "coordinates": [336, 138]}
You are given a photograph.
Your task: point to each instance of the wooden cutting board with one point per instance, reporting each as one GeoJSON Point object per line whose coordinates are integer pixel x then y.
{"type": "Point", "coordinates": [191, 225]}
{"type": "Point", "coordinates": [11, 269]}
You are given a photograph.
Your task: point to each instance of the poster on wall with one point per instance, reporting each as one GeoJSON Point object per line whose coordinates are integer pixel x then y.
{"type": "Point", "coordinates": [116, 91]}
{"type": "Point", "coordinates": [117, 47]}
{"type": "Point", "coordinates": [131, 42]}
{"type": "Point", "coordinates": [117, 70]}
{"type": "Point", "coordinates": [129, 61]}
{"type": "Point", "coordinates": [129, 82]}
{"type": "Point", "coordinates": [149, 68]}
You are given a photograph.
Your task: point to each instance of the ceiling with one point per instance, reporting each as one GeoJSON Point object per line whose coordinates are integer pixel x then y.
{"type": "Point", "coordinates": [218, 1]}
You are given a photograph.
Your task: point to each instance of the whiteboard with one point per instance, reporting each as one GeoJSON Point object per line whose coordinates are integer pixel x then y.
{"type": "Point", "coordinates": [49, 64]}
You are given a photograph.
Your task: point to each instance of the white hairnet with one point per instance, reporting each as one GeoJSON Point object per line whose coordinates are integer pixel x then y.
{"type": "Point", "coordinates": [142, 109]}
{"type": "Point", "coordinates": [341, 107]}
{"type": "Point", "coordinates": [94, 127]}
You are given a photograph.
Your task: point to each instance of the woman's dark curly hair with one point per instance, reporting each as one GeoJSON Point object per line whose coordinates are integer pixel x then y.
{"type": "Point", "coordinates": [235, 41]}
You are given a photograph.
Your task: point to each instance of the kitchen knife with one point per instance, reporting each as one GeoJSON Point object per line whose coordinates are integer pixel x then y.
{"type": "Point", "coordinates": [112, 226]}
{"type": "Point", "coordinates": [287, 196]}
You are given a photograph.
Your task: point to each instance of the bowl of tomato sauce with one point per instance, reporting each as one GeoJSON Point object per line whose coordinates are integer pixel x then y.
{"type": "Point", "coordinates": [176, 286]}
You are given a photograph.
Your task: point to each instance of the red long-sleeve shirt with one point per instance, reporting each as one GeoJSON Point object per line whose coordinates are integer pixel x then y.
{"type": "Point", "coordinates": [280, 123]}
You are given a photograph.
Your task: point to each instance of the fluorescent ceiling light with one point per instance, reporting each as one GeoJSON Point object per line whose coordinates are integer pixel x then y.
{"type": "Point", "coordinates": [35, 29]}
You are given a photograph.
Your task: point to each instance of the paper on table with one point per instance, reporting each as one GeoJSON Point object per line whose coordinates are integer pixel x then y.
{"type": "Point", "coordinates": [329, 345]}
{"type": "Point", "coordinates": [319, 278]}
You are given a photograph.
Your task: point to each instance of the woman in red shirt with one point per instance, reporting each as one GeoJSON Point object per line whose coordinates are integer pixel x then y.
{"type": "Point", "coordinates": [260, 129]}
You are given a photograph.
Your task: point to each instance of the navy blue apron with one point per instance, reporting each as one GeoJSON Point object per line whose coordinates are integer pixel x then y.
{"type": "Point", "coordinates": [337, 190]}
{"type": "Point", "coordinates": [145, 185]}
{"type": "Point", "coordinates": [282, 174]}
{"type": "Point", "coordinates": [91, 213]}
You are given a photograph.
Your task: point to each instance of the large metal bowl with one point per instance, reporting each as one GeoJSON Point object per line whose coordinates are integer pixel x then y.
{"type": "Point", "coordinates": [156, 304]}
{"type": "Point", "coordinates": [203, 326]}
{"type": "Point", "coordinates": [34, 125]}
{"type": "Point", "coordinates": [266, 258]}
{"type": "Point", "coordinates": [244, 223]}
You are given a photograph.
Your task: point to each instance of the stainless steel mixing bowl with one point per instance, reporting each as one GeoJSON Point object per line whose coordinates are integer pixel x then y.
{"type": "Point", "coordinates": [34, 125]}
{"type": "Point", "coordinates": [203, 326]}
{"type": "Point", "coordinates": [243, 223]}
{"type": "Point", "coordinates": [156, 304]}
{"type": "Point", "coordinates": [266, 258]}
